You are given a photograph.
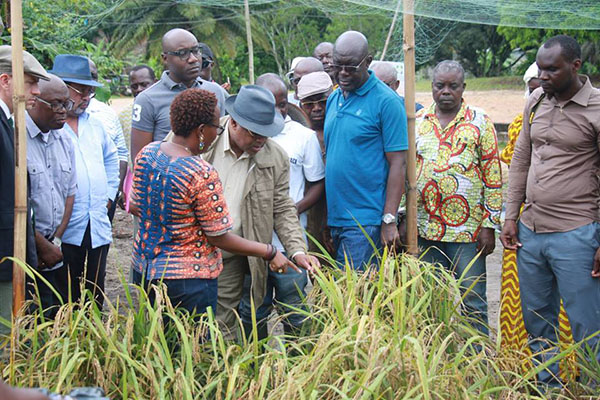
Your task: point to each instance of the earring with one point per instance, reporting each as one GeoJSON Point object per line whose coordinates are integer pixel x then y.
{"type": "Point", "coordinates": [201, 144]}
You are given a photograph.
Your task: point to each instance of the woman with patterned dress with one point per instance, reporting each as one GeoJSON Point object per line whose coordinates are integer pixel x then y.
{"type": "Point", "coordinates": [512, 328]}
{"type": "Point", "coordinates": [184, 219]}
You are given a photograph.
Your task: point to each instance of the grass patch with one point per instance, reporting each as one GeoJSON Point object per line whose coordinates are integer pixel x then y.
{"type": "Point", "coordinates": [394, 334]}
{"type": "Point", "coordinates": [493, 83]}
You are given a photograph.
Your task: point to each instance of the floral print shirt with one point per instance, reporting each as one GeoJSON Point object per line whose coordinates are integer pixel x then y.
{"type": "Point", "coordinates": [459, 178]}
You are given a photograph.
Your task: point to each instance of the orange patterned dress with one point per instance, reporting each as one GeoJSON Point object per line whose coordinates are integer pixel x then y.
{"type": "Point", "coordinates": [512, 329]}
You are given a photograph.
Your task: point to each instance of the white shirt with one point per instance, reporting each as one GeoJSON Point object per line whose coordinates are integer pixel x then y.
{"type": "Point", "coordinates": [5, 109]}
{"type": "Point", "coordinates": [306, 164]}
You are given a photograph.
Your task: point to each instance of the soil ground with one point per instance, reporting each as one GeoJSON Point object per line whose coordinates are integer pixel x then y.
{"type": "Point", "coordinates": [502, 106]}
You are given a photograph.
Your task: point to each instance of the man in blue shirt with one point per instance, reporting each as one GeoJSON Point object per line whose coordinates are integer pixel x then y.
{"type": "Point", "coordinates": [365, 143]}
{"type": "Point", "coordinates": [88, 234]}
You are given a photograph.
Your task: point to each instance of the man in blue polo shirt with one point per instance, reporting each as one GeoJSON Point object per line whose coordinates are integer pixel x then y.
{"type": "Point", "coordinates": [365, 144]}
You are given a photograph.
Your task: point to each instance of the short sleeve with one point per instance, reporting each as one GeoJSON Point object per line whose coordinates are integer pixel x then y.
{"type": "Point", "coordinates": [313, 167]}
{"type": "Point", "coordinates": [210, 207]}
{"type": "Point", "coordinates": [393, 125]}
{"type": "Point", "coordinates": [142, 114]}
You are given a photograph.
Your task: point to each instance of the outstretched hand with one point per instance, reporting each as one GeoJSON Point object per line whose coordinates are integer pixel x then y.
{"type": "Point", "coordinates": [280, 264]}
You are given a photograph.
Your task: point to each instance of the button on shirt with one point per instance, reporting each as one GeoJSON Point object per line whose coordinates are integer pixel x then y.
{"type": "Point", "coordinates": [97, 166]}
{"type": "Point", "coordinates": [109, 119]}
{"type": "Point", "coordinates": [51, 167]}
{"type": "Point", "coordinates": [306, 164]}
{"type": "Point", "coordinates": [556, 163]}
{"type": "Point", "coordinates": [359, 130]}
{"type": "Point", "coordinates": [233, 172]}
{"type": "Point", "coordinates": [151, 108]}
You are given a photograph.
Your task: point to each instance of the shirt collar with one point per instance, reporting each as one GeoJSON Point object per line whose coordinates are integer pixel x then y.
{"type": "Point", "coordinates": [462, 114]}
{"type": "Point", "coordinates": [372, 81]}
{"type": "Point", "coordinates": [171, 84]}
{"type": "Point", "coordinates": [582, 97]}
{"type": "Point", "coordinates": [227, 144]}
{"type": "Point", "coordinates": [5, 109]}
{"type": "Point", "coordinates": [32, 127]}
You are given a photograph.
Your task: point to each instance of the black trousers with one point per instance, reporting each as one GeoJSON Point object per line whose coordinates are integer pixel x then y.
{"type": "Point", "coordinates": [82, 262]}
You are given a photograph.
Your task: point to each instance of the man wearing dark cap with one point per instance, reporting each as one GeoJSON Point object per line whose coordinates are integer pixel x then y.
{"type": "Point", "coordinates": [33, 73]}
{"type": "Point", "coordinates": [150, 118]}
{"type": "Point", "coordinates": [255, 173]}
{"type": "Point", "coordinates": [88, 235]}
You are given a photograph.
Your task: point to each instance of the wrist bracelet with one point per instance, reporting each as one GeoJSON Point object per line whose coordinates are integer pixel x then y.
{"type": "Point", "coordinates": [273, 253]}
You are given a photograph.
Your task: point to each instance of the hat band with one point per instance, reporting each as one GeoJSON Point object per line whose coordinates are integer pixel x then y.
{"type": "Point", "coordinates": [75, 76]}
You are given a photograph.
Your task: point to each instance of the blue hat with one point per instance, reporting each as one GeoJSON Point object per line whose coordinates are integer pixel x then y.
{"type": "Point", "coordinates": [74, 69]}
{"type": "Point", "coordinates": [254, 109]}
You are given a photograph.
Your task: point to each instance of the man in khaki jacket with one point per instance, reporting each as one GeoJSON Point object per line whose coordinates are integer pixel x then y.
{"type": "Point", "coordinates": [255, 175]}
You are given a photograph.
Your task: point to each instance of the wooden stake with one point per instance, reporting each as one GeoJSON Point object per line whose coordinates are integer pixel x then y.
{"type": "Point", "coordinates": [20, 222]}
{"type": "Point", "coordinates": [391, 31]}
{"type": "Point", "coordinates": [249, 40]}
{"type": "Point", "coordinates": [409, 101]}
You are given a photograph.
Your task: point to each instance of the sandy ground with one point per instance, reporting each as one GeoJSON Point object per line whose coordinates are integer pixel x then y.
{"type": "Point", "coordinates": [502, 106]}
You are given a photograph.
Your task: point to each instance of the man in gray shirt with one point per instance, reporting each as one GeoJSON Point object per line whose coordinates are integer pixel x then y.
{"type": "Point", "coordinates": [150, 120]}
{"type": "Point", "coordinates": [51, 167]}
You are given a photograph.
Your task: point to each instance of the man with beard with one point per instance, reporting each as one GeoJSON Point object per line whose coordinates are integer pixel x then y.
{"type": "Point", "coordinates": [88, 235]}
{"type": "Point", "coordinates": [324, 53]}
{"type": "Point", "coordinates": [51, 167]}
{"type": "Point", "coordinates": [150, 117]}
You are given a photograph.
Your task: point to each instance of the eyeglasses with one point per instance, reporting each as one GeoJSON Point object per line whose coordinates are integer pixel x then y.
{"type": "Point", "coordinates": [348, 68]}
{"type": "Point", "coordinates": [206, 63]}
{"type": "Point", "coordinates": [256, 136]}
{"type": "Point", "coordinates": [57, 106]}
{"type": "Point", "coordinates": [311, 104]}
{"type": "Point", "coordinates": [88, 91]}
{"type": "Point", "coordinates": [184, 54]}
{"type": "Point", "coordinates": [220, 128]}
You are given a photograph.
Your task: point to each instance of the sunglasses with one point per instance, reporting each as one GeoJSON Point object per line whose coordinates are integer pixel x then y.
{"type": "Point", "coordinates": [184, 54]}
{"type": "Point", "coordinates": [206, 63]}
{"type": "Point", "coordinates": [88, 91]}
{"type": "Point", "coordinates": [348, 68]}
{"type": "Point", "coordinates": [57, 106]}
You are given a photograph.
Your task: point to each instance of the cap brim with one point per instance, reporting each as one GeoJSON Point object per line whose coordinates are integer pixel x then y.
{"type": "Point", "coordinates": [39, 76]}
{"type": "Point", "coordinates": [86, 82]}
{"type": "Point", "coordinates": [270, 130]}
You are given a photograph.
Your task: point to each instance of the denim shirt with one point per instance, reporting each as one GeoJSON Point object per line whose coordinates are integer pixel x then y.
{"type": "Point", "coordinates": [51, 167]}
{"type": "Point", "coordinates": [97, 166]}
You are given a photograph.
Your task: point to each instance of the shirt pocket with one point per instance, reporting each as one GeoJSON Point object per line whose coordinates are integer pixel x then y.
{"type": "Point", "coordinates": [36, 174]}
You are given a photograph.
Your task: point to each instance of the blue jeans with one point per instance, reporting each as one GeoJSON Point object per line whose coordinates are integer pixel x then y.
{"type": "Point", "coordinates": [289, 290]}
{"type": "Point", "coordinates": [193, 295]}
{"type": "Point", "coordinates": [351, 242]}
{"type": "Point", "coordinates": [554, 266]}
{"type": "Point", "coordinates": [456, 257]}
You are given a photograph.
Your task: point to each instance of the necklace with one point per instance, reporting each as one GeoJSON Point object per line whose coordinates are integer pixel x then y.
{"type": "Point", "coordinates": [184, 147]}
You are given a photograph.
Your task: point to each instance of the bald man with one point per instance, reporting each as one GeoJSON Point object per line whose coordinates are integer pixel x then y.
{"type": "Point", "coordinates": [388, 74]}
{"type": "Point", "coordinates": [307, 187]}
{"type": "Point", "coordinates": [365, 142]}
{"type": "Point", "coordinates": [324, 53]}
{"type": "Point", "coordinates": [304, 66]}
{"type": "Point", "coordinates": [53, 184]}
{"type": "Point", "coordinates": [150, 120]}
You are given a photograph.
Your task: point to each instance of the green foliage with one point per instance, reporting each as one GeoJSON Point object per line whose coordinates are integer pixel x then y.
{"type": "Point", "coordinates": [394, 334]}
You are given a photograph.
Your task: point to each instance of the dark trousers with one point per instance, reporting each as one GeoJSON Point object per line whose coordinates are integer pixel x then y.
{"type": "Point", "coordinates": [82, 262]}
{"type": "Point", "coordinates": [47, 299]}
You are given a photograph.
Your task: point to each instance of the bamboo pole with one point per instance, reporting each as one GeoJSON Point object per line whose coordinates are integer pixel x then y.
{"type": "Point", "coordinates": [391, 31]}
{"type": "Point", "coordinates": [409, 101]}
{"type": "Point", "coordinates": [249, 40]}
{"type": "Point", "coordinates": [20, 221]}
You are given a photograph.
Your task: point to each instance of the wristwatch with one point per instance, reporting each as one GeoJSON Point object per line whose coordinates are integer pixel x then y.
{"type": "Point", "coordinates": [388, 218]}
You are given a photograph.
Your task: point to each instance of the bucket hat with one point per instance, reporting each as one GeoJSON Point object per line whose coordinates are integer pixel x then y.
{"type": "Point", "coordinates": [254, 109]}
{"type": "Point", "coordinates": [74, 69]}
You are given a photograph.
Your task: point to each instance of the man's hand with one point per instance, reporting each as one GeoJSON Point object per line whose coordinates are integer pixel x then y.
{"type": "Point", "coordinates": [309, 263]}
{"type": "Point", "coordinates": [389, 235]}
{"type": "Point", "coordinates": [510, 235]}
{"type": "Point", "coordinates": [402, 232]}
{"type": "Point", "coordinates": [49, 255]}
{"type": "Point", "coordinates": [109, 204]}
{"type": "Point", "coordinates": [486, 241]}
{"type": "Point", "coordinates": [596, 269]}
